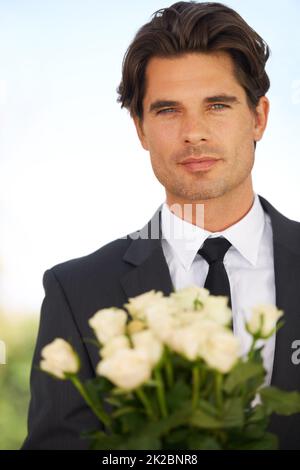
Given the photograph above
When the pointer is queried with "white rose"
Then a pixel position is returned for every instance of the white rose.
(185, 298)
(137, 305)
(216, 308)
(146, 342)
(59, 358)
(161, 324)
(263, 320)
(163, 306)
(127, 369)
(135, 326)
(186, 339)
(187, 317)
(108, 323)
(220, 349)
(115, 344)
(164, 321)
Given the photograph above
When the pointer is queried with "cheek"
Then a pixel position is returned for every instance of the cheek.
(247, 126)
(162, 143)
(238, 135)
(243, 149)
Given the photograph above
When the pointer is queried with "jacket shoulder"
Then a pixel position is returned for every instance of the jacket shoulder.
(285, 231)
(103, 262)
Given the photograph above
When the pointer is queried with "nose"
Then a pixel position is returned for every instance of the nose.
(195, 129)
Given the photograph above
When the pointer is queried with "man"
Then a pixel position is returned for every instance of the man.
(194, 81)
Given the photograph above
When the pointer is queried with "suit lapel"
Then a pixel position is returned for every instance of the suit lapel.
(152, 273)
(287, 275)
(145, 254)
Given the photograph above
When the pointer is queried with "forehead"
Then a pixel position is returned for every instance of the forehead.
(207, 72)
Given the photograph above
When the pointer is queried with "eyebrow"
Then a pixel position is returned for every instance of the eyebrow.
(224, 98)
(159, 104)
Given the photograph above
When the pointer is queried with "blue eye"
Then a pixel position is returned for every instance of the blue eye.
(219, 106)
(166, 110)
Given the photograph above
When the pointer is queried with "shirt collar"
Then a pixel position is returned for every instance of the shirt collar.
(186, 239)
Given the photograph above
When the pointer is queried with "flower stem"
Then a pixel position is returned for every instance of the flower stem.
(218, 390)
(252, 349)
(196, 385)
(144, 399)
(97, 410)
(169, 369)
(161, 393)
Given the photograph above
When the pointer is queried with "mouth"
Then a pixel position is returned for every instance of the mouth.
(199, 164)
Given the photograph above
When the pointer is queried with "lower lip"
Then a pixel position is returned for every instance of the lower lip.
(200, 165)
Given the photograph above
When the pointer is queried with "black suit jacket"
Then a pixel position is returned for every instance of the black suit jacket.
(124, 268)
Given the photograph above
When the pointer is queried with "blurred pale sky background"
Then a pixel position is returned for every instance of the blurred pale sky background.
(72, 173)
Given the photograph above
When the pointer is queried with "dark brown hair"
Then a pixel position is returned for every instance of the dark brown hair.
(194, 27)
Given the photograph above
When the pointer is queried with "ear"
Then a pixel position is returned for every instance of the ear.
(261, 117)
(140, 132)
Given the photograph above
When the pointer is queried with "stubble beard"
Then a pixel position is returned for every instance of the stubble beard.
(199, 188)
(195, 191)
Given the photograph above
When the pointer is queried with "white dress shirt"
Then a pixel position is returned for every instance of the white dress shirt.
(249, 264)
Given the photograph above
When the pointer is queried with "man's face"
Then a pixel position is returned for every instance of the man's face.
(195, 109)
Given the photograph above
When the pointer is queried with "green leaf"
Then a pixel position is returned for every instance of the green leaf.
(178, 418)
(100, 384)
(180, 393)
(280, 401)
(266, 442)
(102, 441)
(141, 442)
(150, 434)
(180, 363)
(150, 384)
(241, 373)
(250, 389)
(132, 422)
(208, 408)
(206, 415)
(203, 442)
(113, 401)
(257, 356)
(177, 435)
(124, 410)
(233, 413)
(136, 425)
(203, 420)
(257, 414)
(254, 431)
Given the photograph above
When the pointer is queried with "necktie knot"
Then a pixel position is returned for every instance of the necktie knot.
(214, 249)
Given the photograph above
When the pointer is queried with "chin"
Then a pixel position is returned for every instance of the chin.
(201, 194)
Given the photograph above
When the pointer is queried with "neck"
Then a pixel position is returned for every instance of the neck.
(216, 214)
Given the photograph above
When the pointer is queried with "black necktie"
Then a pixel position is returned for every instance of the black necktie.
(213, 251)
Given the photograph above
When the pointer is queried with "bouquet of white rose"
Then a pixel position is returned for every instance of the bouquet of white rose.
(172, 373)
